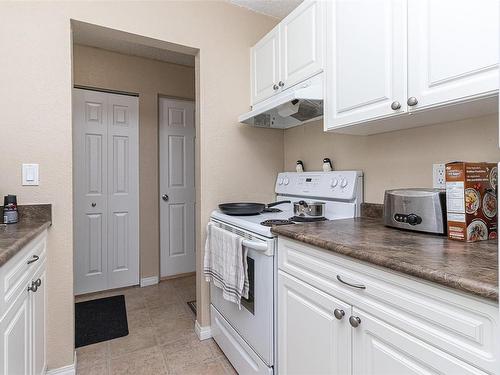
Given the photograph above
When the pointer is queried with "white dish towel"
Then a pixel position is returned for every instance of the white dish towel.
(225, 263)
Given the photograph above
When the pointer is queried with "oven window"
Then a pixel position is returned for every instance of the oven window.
(249, 303)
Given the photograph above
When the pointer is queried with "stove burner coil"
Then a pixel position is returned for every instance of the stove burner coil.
(270, 223)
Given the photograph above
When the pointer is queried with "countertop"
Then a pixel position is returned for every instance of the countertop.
(33, 220)
(468, 267)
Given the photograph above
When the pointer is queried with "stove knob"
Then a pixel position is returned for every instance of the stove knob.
(343, 183)
(286, 181)
(334, 182)
(280, 181)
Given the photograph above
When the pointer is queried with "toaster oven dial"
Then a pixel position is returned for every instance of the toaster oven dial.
(411, 219)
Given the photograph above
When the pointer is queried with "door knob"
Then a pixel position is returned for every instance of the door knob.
(339, 314)
(164, 197)
(395, 105)
(412, 101)
(93, 204)
(355, 321)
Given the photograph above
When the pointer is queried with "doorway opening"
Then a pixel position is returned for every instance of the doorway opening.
(133, 146)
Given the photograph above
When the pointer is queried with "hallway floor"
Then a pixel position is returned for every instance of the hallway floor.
(161, 337)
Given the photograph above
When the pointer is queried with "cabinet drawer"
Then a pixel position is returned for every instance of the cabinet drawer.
(17, 273)
(462, 325)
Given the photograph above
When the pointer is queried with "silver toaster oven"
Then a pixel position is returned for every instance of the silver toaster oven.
(418, 209)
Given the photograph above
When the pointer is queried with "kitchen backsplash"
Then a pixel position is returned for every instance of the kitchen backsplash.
(397, 159)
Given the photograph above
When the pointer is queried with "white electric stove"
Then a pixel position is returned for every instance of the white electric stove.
(247, 336)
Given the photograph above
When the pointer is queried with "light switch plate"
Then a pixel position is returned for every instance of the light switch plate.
(30, 175)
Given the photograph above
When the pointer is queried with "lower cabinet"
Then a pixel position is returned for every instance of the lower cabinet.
(314, 335)
(342, 317)
(22, 326)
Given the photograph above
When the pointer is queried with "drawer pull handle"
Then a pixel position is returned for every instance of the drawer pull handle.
(339, 314)
(359, 286)
(38, 282)
(33, 259)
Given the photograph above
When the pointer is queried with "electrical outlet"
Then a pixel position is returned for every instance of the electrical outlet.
(438, 176)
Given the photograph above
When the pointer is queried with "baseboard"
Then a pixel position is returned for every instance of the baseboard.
(66, 370)
(178, 276)
(203, 333)
(147, 281)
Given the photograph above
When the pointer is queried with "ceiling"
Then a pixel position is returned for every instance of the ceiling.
(129, 44)
(274, 8)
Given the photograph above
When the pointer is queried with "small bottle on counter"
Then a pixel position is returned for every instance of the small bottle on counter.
(10, 214)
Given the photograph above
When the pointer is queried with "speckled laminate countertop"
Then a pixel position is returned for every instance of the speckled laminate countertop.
(468, 267)
(33, 220)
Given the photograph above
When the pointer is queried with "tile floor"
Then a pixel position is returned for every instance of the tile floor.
(161, 337)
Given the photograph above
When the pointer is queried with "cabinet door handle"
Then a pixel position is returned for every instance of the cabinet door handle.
(355, 321)
(395, 105)
(38, 282)
(165, 197)
(93, 204)
(275, 87)
(412, 101)
(339, 314)
(359, 286)
(33, 259)
(281, 83)
(33, 288)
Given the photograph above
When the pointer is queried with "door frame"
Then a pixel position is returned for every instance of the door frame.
(195, 173)
(73, 180)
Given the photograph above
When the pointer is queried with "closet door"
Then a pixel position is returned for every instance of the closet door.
(105, 168)
(90, 190)
(123, 186)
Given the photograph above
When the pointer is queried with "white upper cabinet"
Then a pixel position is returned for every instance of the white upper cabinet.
(366, 63)
(301, 46)
(452, 50)
(265, 66)
(290, 53)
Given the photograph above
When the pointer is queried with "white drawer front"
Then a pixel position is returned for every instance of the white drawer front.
(461, 325)
(17, 273)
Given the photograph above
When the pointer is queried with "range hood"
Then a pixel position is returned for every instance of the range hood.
(294, 106)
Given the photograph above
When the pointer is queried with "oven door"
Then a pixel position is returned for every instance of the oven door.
(254, 322)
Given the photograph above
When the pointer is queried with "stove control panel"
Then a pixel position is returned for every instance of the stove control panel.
(342, 185)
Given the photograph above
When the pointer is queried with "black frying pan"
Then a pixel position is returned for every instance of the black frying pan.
(246, 208)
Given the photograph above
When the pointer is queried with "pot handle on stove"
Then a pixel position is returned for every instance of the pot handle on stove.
(276, 203)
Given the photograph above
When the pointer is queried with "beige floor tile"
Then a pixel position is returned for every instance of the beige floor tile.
(215, 367)
(135, 340)
(186, 352)
(174, 330)
(89, 355)
(142, 362)
(99, 368)
(134, 302)
(161, 314)
(138, 319)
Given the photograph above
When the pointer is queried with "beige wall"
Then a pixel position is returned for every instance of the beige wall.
(235, 162)
(397, 159)
(99, 68)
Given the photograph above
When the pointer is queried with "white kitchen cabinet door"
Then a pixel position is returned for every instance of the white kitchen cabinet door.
(301, 47)
(265, 66)
(38, 303)
(365, 67)
(380, 349)
(16, 344)
(311, 340)
(452, 50)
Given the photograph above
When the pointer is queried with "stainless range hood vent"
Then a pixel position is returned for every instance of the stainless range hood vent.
(294, 106)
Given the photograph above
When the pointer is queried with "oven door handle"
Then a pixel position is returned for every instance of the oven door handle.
(259, 246)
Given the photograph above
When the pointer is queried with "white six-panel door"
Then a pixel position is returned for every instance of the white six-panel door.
(301, 46)
(366, 61)
(452, 50)
(106, 232)
(177, 187)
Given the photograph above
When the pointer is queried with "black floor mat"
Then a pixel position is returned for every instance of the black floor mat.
(100, 320)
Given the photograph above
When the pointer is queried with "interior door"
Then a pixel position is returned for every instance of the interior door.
(265, 66)
(311, 339)
(90, 189)
(302, 36)
(452, 50)
(380, 349)
(106, 174)
(366, 61)
(177, 187)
